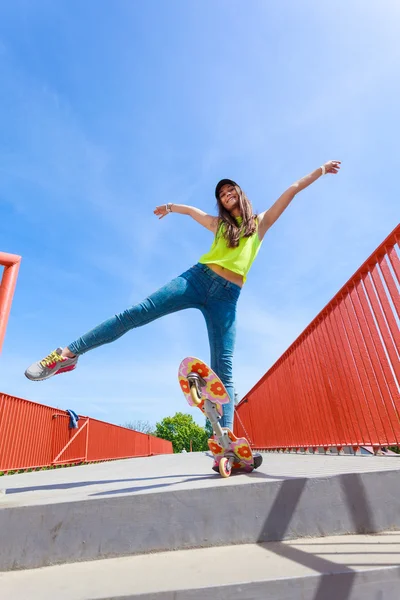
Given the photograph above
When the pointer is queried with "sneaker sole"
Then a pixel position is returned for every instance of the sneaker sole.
(64, 370)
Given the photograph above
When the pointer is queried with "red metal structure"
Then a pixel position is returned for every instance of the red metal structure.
(338, 384)
(11, 263)
(33, 435)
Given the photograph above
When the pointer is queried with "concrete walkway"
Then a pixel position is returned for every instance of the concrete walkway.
(177, 502)
(171, 473)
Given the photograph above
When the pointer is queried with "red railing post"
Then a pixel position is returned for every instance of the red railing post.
(11, 263)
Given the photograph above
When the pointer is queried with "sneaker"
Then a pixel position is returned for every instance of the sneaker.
(215, 466)
(257, 460)
(53, 364)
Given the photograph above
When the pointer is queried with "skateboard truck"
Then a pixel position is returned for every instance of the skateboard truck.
(196, 382)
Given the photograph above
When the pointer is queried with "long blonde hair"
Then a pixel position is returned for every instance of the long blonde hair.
(230, 228)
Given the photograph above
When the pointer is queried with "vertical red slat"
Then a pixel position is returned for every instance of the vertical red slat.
(321, 393)
(393, 327)
(360, 406)
(379, 348)
(338, 387)
(320, 398)
(340, 381)
(291, 408)
(283, 386)
(388, 414)
(391, 284)
(307, 399)
(327, 376)
(383, 328)
(287, 411)
(308, 403)
(395, 262)
(350, 381)
(363, 369)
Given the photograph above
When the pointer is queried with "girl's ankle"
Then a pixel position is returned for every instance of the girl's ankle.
(67, 353)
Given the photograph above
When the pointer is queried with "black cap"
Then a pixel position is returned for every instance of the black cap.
(221, 183)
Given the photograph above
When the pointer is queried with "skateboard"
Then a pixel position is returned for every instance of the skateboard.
(202, 388)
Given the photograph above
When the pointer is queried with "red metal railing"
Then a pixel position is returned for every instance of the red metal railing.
(338, 383)
(33, 435)
(11, 263)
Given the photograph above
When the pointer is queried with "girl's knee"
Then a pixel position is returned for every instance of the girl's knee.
(224, 371)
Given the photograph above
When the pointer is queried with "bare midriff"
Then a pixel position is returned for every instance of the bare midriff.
(226, 274)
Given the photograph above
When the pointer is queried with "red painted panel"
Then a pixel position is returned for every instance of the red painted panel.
(33, 435)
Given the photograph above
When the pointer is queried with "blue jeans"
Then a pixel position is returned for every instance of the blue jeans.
(199, 287)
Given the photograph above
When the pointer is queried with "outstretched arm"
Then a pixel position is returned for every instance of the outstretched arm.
(208, 221)
(268, 218)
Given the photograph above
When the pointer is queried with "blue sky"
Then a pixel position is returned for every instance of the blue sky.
(108, 109)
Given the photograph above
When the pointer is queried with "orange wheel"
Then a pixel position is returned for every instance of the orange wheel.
(224, 467)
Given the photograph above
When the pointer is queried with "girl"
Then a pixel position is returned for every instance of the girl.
(213, 285)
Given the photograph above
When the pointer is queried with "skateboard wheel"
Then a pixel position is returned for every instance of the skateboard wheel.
(194, 395)
(224, 467)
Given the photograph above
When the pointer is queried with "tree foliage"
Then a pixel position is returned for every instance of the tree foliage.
(181, 430)
(208, 429)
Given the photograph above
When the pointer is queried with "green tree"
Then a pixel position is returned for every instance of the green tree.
(208, 429)
(181, 430)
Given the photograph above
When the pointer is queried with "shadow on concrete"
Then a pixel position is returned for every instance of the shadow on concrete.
(213, 476)
(260, 475)
(357, 503)
(328, 589)
(283, 508)
(188, 476)
(77, 484)
(351, 544)
(280, 515)
(149, 487)
(363, 553)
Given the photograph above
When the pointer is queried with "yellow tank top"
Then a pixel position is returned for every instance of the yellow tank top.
(238, 260)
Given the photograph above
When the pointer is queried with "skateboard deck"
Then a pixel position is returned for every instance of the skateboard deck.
(215, 391)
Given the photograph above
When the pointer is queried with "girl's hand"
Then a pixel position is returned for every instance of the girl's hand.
(332, 166)
(161, 211)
